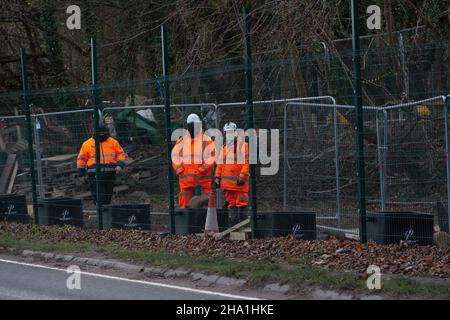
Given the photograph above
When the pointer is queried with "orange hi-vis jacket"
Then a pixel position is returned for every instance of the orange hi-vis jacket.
(193, 160)
(111, 155)
(233, 165)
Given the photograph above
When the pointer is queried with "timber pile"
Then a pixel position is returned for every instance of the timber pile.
(61, 164)
(59, 173)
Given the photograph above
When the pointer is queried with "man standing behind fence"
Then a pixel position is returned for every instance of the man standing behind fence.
(193, 159)
(232, 173)
(112, 161)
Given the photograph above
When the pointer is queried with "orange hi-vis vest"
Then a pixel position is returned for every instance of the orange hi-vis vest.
(193, 160)
(233, 165)
(111, 155)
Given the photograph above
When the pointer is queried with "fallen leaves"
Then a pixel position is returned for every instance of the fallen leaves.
(334, 254)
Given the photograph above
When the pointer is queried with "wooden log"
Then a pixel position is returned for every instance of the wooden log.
(2, 143)
(13, 177)
(7, 173)
(21, 145)
(65, 167)
(121, 188)
(60, 158)
(234, 228)
(84, 195)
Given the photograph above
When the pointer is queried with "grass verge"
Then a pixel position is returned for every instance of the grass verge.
(299, 275)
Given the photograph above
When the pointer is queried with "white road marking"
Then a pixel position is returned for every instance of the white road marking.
(156, 284)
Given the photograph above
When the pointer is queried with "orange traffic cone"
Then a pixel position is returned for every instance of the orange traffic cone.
(211, 225)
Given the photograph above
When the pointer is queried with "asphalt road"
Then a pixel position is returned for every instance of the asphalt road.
(34, 282)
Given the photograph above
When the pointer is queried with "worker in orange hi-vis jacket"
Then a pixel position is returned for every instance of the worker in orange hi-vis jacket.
(232, 173)
(193, 158)
(112, 162)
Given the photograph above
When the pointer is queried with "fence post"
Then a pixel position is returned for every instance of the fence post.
(385, 154)
(219, 194)
(356, 53)
(380, 162)
(336, 162)
(25, 86)
(285, 159)
(170, 178)
(249, 107)
(447, 155)
(96, 102)
(37, 142)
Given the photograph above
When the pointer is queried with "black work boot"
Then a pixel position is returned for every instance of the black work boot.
(243, 213)
(234, 216)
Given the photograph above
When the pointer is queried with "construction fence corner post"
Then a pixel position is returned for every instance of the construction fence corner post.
(26, 93)
(170, 176)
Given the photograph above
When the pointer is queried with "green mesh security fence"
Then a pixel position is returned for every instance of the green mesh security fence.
(305, 97)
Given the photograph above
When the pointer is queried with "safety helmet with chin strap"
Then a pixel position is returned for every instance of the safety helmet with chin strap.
(193, 118)
(230, 127)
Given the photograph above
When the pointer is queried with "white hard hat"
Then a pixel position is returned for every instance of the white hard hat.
(193, 118)
(230, 126)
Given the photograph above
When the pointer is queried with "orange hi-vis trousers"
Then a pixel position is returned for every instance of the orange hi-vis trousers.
(186, 194)
(236, 199)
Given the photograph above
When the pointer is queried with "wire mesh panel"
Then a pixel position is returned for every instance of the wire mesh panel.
(61, 119)
(415, 157)
(15, 185)
(320, 176)
(57, 138)
(270, 159)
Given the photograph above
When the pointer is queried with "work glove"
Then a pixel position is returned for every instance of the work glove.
(81, 172)
(179, 171)
(118, 169)
(240, 182)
